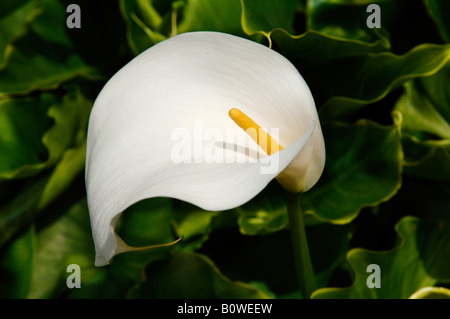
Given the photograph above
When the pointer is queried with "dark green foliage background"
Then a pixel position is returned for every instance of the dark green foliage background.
(383, 97)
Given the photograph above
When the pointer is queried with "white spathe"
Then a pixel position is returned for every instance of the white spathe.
(189, 79)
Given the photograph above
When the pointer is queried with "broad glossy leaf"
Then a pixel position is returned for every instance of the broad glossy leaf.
(263, 16)
(267, 212)
(193, 223)
(44, 57)
(65, 241)
(65, 143)
(264, 214)
(436, 87)
(70, 116)
(143, 22)
(16, 264)
(420, 260)
(425, 108)
(363, 168)
(144, 223)
(218, 15)
(348, 19)
(190, 276)
(19, 211)
(136, 224)
(421, 115)
(68, 168)
(353, 82)
(439, 11)
(431, 293)
(28, 142)
(312, 49)
(14, 16)
(427, 159)
(345, 75)
(146, 26)
(23, 122)
(148, 222)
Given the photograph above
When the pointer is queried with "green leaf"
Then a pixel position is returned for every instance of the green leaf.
(16, 266)
(148, 222)
(71, 118)
(418, 261)
(20, 209)
(145, 223)
(198, 277)
(436, 89)
(44, 57)
(193, 223)
(438, 10)
(263, 16)
(267, 212)
(68, 168)
(357, 81)
(14, 16)
(142, 22)
(347, 19)
(363, 168)
(65, 143)
(66, 241)
(264, 214)
(137, 225)
(218, 15)
(345, 75)
(431, 293)
(425, 108)
(23, 122)
(312, 49)
(426, 159)
(420, 114)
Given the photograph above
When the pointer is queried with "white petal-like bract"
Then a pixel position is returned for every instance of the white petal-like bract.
(173, 99)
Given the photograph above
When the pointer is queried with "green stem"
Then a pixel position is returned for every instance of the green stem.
(303, 264)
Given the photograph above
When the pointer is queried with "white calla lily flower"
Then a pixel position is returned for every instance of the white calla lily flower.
(189, 80)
